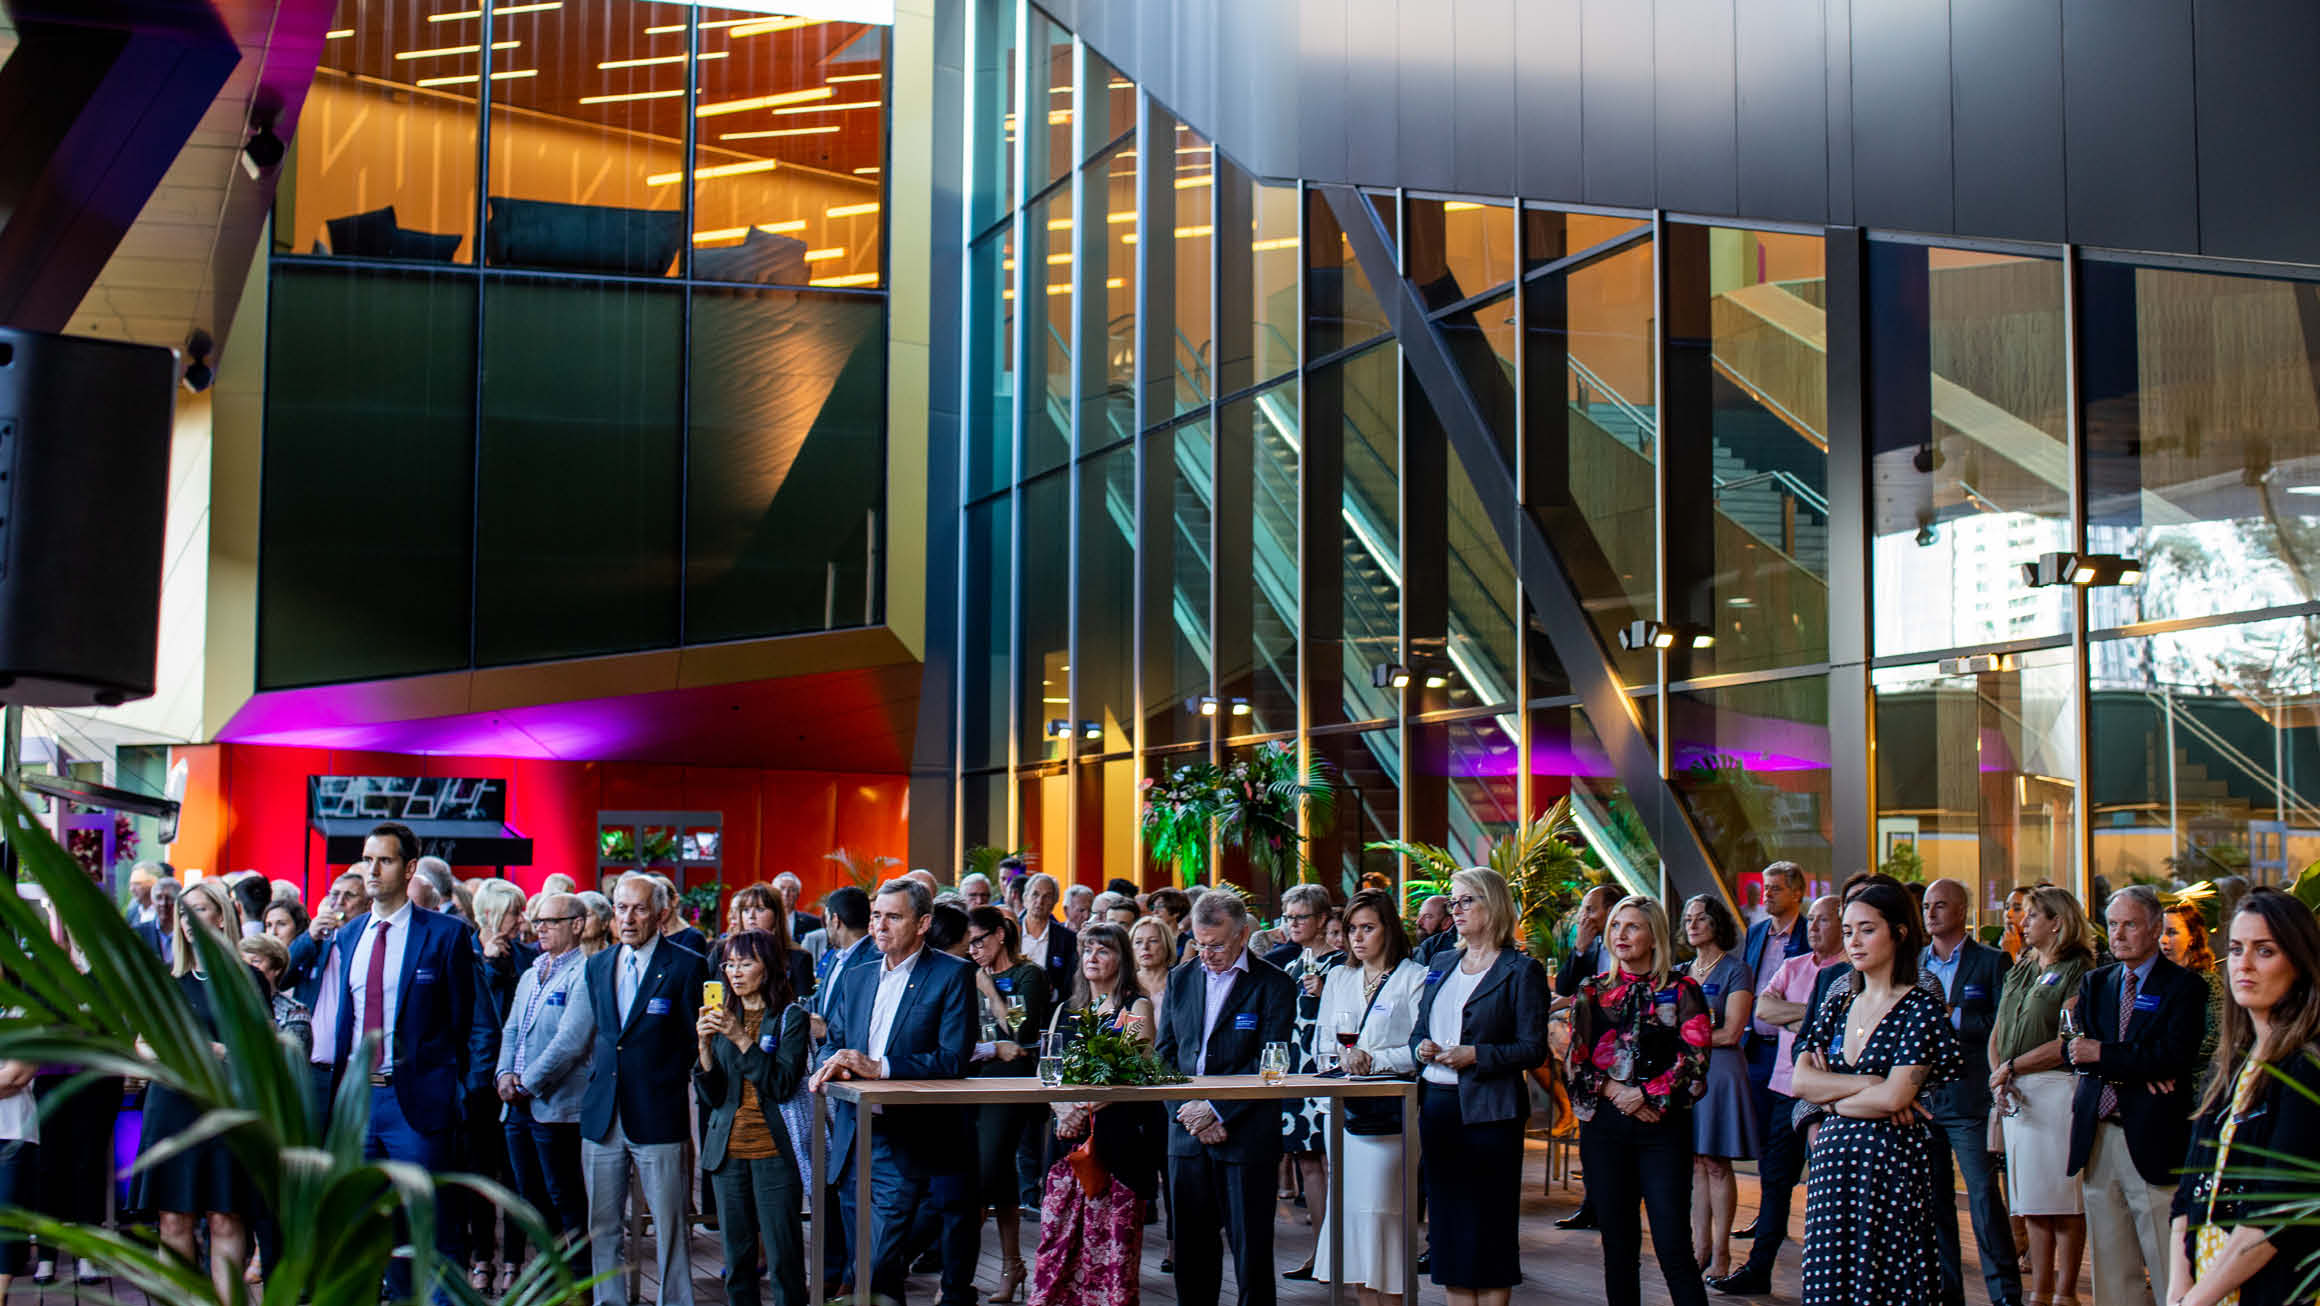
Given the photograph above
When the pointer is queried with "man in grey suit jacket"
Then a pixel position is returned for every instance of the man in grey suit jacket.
(543, 1067)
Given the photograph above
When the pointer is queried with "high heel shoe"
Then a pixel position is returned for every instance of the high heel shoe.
(1010, 1282)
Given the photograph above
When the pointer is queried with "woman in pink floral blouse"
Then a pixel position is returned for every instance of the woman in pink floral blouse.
(1639, 1057)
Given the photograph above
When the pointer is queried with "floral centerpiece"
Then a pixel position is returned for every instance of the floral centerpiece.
(1251, 805)
(1102, 1056)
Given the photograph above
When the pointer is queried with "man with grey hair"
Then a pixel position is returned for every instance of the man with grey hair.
(792, 891)
(160, 933)
(439, 894)
(1772, 939)
(975, 887)
(1078, 904)
(1046, 940)
(1222, 1156)
(2130, 1120)
(910, 1014)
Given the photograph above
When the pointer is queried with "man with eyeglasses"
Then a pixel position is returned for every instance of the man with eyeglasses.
(1222, 1156)
(541, 1075)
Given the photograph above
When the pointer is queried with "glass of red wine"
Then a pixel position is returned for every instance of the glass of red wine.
(1348, 1032)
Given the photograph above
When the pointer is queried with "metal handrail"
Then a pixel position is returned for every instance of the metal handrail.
(1802, 492)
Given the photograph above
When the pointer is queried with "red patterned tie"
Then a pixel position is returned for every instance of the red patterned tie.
(2109, 1107)
(375, 986)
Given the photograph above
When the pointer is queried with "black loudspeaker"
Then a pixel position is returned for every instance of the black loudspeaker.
(84, 489)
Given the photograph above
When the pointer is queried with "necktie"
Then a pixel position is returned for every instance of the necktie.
(2109, 1107)
(375, 986)
(628, 989)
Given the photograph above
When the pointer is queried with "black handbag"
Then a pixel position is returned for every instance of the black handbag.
(1371, 1116)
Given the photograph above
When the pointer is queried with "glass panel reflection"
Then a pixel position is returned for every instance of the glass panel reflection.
(2206, 753)
(385, 148)
(1971, 463)
(1047, 242)
(985, 634)
(1178, 348)
(1341, 308)
(991, 363)
(1273, 280)
(1752, 765)
(1482, 604)
(1355, 579)
(568, 452)
(1103, 653)
(2202, 440)
(1977, 776)
(1043, 821)
(1109, 101)
(1483, 341)
(1567, 761)
(1179, 478)
(1044, 601)
(1048, 135)
(997, 83)
(789, 151)
(1366, 768)
(1464, 790)
(1458, 249)
(1108, 326)
(983, 809)
(784, 471)
(1550, 236)
(1257, 604)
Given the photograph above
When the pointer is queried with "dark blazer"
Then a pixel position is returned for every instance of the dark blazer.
(1981, 973)
(639, 1071)
(501, 974)
(1505, 1022)
(446, 1037)
(308, 960)
(1062, 958)
(801, 924)
(1261, 1008)
(151, 933)
(2164, 1031)
(1593, 961)
(775, 1062)
(1752, 947)
(931, 1037)
(2280, 1119)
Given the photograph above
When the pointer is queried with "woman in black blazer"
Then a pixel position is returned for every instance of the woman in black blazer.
(2223, 1243)
(752, 1059)
(1481, 1028)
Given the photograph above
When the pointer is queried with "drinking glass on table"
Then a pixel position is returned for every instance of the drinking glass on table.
(1274, 1063)
(1348, 1032)
(1051, 1048)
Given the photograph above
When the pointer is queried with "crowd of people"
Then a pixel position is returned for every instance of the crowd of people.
(2088, 1080)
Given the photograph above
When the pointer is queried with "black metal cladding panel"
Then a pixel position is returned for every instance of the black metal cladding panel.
(1427, 58)
(2006, 111)
(1321, 89)
(1901, 127)
(1372, 76)
(1781, 136)
(1695, 141)
(1484, 96)
(2259, 127)
(1615, 87)
(1838, 63)
(2131, 163)
(1547, 98)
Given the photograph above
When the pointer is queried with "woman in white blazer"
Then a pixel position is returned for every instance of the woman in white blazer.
(1376, 996)
(544, 1048)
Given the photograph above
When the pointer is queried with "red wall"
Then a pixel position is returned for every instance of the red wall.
(245, 809)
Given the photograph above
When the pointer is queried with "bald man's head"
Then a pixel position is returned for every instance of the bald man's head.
(1947, 909)
(1824, 925)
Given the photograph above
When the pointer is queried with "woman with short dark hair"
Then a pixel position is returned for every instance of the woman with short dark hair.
(1008, 1046)
(752, 1062)
(1091, 1212)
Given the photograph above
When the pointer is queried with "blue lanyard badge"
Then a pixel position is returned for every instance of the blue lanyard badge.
(2146, 1002)
(1245, 1020)
(766, 1043)
(656, 1006)
(1006, 983)
(1712, 990)
(2051, 977)
(1976, 993)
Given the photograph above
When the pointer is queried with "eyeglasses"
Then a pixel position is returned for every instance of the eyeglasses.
(1213, 949)
(554, 920)
(1299, 916)
(1463, 901)
(978, 940)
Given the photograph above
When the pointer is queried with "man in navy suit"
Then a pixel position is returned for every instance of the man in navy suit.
(2138, 1064)
(909, 1015)
(1222, 1155)
(160, 933)
(1053, 945)
(1971, 974)
(646, 997)
(411, 977)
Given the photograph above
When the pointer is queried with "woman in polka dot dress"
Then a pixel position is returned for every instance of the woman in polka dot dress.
(1870, 1053)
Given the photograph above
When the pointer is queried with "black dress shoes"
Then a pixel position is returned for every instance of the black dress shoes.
(1302, 1274)
(1743, 1282)
(1748, 1233)
(1583, 1218)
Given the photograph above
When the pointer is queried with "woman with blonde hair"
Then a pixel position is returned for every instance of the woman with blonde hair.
(1640, 1035)
(1481, 1027)
(2033, 1090)
(205, 1179)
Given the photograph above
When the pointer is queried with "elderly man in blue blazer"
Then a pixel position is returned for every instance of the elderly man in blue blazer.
(644, 998)
(544, 1051)
(909, 1015)
(412, 977)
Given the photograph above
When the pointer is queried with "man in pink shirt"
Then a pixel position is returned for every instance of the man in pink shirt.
(1785, 1001)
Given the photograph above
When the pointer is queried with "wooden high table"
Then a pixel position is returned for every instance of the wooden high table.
(869, 1093)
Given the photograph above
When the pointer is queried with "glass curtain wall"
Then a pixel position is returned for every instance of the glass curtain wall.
(1265, 517)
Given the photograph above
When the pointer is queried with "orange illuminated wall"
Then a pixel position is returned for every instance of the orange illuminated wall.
(245, 808)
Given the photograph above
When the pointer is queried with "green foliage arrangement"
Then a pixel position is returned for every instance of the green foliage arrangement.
(337, 1211)
(1540, 860)
(864, 873)
(1251, 805)
(984, 860)
(1101, 1056)
(1903, 863)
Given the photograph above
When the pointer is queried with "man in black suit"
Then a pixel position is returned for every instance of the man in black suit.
(1053, 945)
(1971, 974)
(910, 1014)
(160, 933)
(645, 998)
(2144, 1018)
(801, 923)
(1222, 1155)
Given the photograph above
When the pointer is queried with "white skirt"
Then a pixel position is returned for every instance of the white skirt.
(1375, 1233)
(2038, 1178)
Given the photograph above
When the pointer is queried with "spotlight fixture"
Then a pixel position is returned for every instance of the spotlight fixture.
(1389, 675)
(1978, 664)
(1240, 707)
(1058, 728)
(1204, 705)
(264, 149)
(1435, 678)
(2087, 570)
(1664, 634)
(199, 374)
(1093, 731)
(1927, 458)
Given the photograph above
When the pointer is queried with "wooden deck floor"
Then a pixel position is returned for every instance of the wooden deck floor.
(1557, 1266)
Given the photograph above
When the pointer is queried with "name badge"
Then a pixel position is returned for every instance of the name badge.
(556, 999)
(1712, 990)
(1666, 995)
(1006, 984)
(656, 1006)
(1433, 977)
(1976, 993)
(424, 976)
(2146, 1002)
(2051, 977)
(766, 1043)
(1381, 1006)
(1245, 1020)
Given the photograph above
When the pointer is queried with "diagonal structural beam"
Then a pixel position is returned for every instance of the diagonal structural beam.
(1683, 855)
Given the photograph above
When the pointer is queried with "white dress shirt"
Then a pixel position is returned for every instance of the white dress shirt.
(1035, 949)
(635, 964)
(359, 974)
(325, 1016)
(1385, 1032)
(1449, 1018)
(893, 978)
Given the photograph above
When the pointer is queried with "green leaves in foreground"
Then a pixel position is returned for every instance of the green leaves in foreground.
(338, 1212)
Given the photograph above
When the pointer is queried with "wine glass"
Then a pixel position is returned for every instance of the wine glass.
(2070, 1031)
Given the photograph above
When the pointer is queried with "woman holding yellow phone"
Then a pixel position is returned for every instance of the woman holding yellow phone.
(753, 1059)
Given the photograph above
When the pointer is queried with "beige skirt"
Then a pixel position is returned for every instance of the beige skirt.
(2038, 1178)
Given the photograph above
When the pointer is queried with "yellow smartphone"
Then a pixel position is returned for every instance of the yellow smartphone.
(713, 994)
